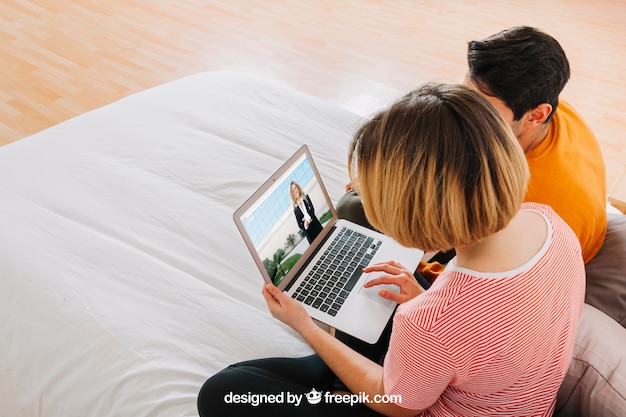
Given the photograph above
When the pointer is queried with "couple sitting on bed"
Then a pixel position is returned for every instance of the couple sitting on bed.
(443, 168)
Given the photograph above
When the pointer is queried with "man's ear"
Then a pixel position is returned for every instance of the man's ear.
(540, 114)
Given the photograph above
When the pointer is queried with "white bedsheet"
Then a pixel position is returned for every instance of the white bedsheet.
(124, 283)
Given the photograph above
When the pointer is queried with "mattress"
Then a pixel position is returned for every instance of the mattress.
(124, 281)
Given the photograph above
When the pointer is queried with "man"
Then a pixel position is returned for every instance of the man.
(522, 71)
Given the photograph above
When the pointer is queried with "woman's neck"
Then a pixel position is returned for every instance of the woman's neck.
(507, 249)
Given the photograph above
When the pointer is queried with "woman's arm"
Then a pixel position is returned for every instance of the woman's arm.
(299, 216)
(309, 206)
(356, 371)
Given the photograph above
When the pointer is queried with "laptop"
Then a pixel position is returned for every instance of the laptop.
(316, 257)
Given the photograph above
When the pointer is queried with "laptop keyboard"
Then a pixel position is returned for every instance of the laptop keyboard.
(328, 284)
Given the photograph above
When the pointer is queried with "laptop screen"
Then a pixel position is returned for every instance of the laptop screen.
(285, 216)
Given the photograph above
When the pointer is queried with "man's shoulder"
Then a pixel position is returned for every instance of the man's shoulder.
(569, 126)
(567, 114)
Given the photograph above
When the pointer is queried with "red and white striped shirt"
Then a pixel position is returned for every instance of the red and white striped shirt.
(491, 344)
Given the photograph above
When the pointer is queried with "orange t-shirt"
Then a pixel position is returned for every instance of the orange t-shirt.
(567, 172)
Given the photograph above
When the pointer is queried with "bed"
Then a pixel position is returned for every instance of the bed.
(124, 281)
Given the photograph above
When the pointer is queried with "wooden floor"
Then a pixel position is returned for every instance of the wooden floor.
(60, 58)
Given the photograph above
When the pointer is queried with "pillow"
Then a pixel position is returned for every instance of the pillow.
(606, 273)
(595, 384)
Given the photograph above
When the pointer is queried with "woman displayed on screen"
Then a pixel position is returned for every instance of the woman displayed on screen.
(304, 211)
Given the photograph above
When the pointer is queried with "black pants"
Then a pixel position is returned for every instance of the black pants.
(277, 387)
(239, 389)
(288, 380)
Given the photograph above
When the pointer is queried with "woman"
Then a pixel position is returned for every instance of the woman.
(304, 211)
(493, 336)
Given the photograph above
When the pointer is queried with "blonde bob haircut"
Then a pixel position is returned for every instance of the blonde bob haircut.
(439, 169)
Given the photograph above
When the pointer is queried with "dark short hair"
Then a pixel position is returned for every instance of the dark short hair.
(522, 66)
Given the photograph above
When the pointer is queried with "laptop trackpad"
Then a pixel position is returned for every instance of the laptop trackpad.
(372, 292)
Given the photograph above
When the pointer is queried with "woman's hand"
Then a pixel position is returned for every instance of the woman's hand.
(397, 275)
(286, 309)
